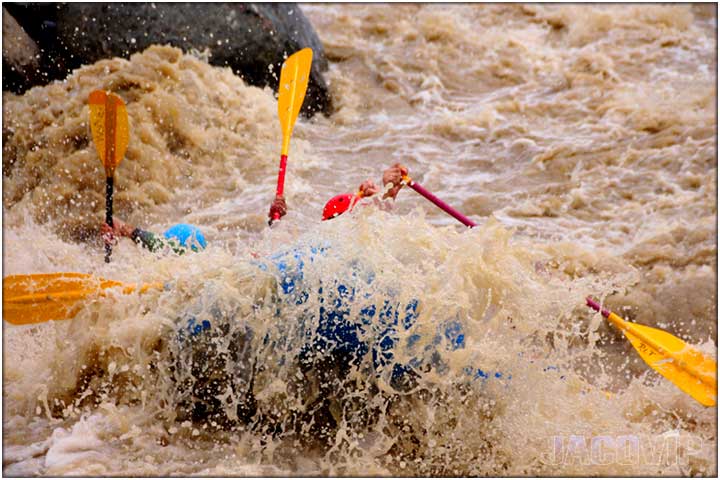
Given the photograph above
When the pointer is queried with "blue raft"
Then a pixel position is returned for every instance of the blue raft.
(350, 323)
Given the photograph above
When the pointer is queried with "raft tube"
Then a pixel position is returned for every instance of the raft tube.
(342, 335)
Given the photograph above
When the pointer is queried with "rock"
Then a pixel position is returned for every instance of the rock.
(21, 56)
(251, 38)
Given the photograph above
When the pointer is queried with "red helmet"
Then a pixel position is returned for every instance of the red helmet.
(338, 205)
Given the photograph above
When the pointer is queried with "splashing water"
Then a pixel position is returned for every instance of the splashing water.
(582, 139)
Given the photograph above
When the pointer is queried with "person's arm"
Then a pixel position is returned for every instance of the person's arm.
(392, 176)
(146, 239)
(155, 243)
(367, 189)
(119, 229)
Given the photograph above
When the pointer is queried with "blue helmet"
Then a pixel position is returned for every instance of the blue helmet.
(186, 235)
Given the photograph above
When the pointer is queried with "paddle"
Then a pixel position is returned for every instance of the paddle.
(111, 134)
(291, 94)
(442, 205)
(691, 370)
(55, 296)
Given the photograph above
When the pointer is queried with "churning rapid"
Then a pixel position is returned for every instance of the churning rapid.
(583, 141)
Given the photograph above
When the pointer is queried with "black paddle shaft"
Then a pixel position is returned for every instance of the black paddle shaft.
(108, 213)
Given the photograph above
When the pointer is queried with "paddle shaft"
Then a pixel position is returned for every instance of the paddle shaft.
(280, 182)
(109, 188)
(596, 306)
(110, 131)
(440, 204)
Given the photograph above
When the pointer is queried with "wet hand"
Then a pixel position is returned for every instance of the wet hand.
(119, 229)
(122, 229)
(368, 189)
(278, 207)
(107, 234)
(393, 176)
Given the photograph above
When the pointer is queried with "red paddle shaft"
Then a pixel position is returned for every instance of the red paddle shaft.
(596, 306)
(442, 205)
(281, 181)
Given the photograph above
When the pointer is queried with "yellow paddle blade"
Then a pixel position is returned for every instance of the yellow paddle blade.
(109, 127)
(54, 296)
(691, 370)
(291, 92)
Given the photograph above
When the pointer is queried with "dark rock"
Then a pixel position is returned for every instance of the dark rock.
(21, 56)
(39, 20)
(251, 38)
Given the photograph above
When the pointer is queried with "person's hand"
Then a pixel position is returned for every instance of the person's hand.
(119, 229)
(278, 207)
(107, 234)
(368, 189)
(394, 176)
(122, 229)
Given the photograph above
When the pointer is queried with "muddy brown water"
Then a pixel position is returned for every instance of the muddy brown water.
(581, 138)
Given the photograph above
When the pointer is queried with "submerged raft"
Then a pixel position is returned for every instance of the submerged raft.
(333, 328)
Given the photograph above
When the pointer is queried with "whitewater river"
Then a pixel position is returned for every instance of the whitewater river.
(583, 141)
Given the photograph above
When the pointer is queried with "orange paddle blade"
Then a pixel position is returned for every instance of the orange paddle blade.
(294, 78)
(54, 296)
(109, 127)
(691, 370)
